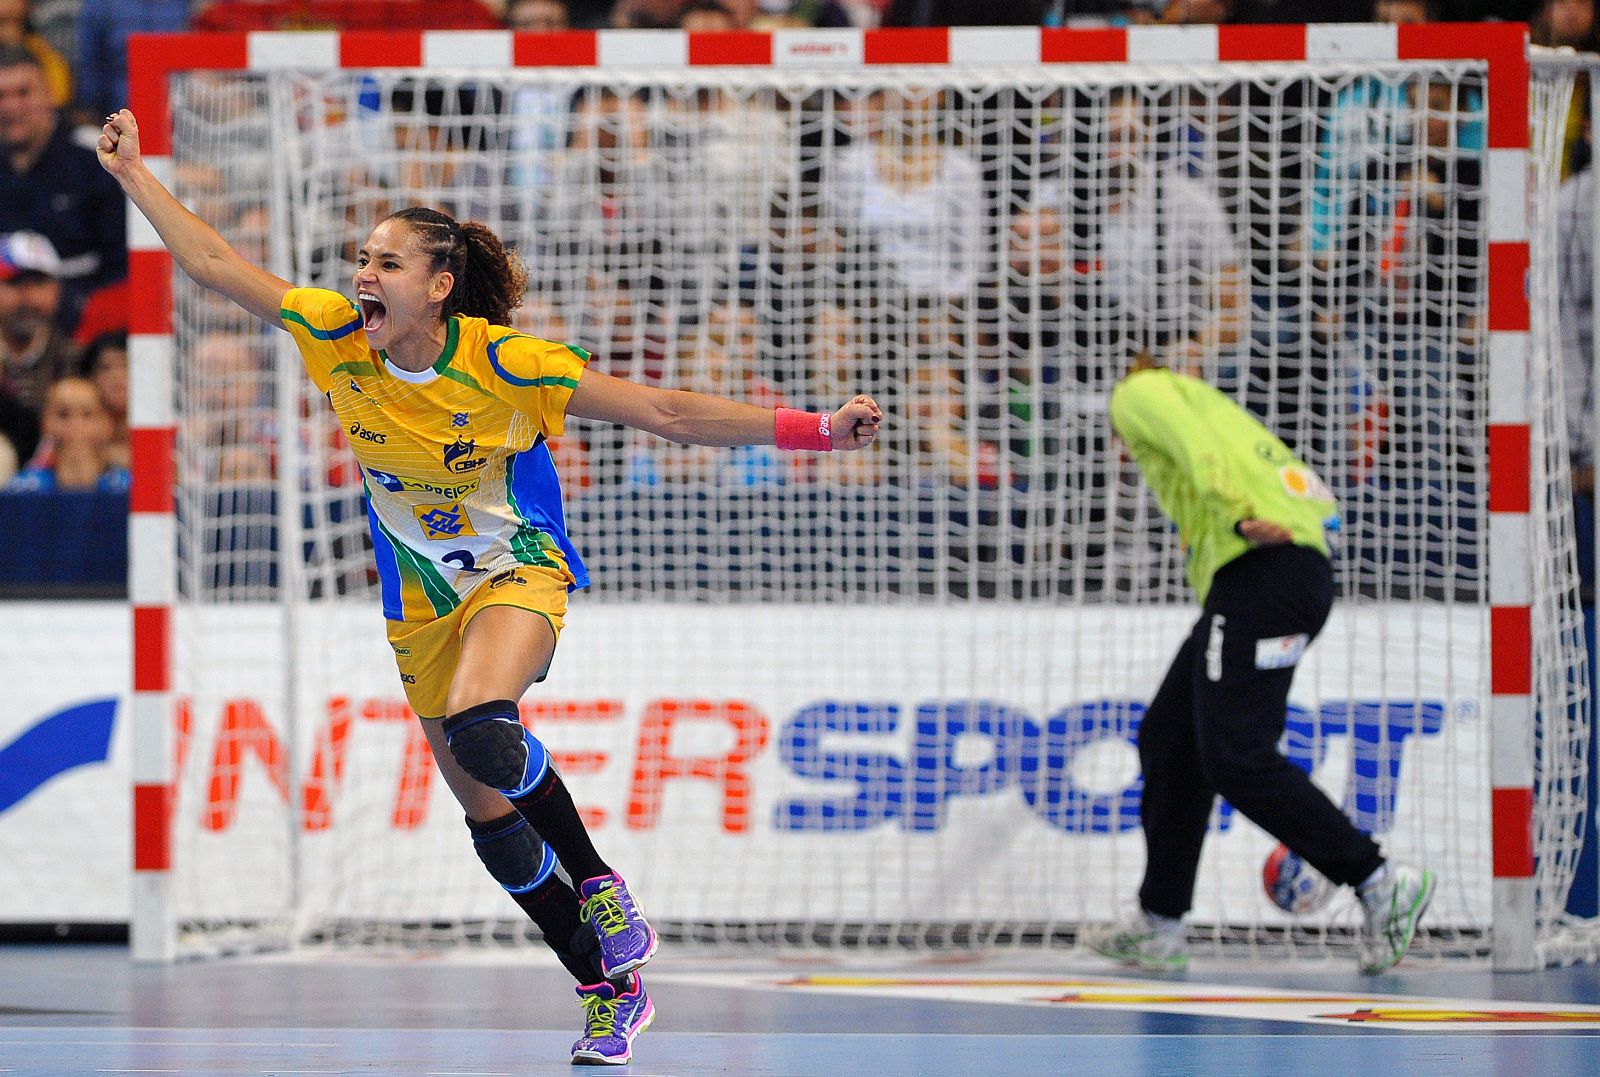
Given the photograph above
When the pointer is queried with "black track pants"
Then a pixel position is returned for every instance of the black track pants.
(1214, 726)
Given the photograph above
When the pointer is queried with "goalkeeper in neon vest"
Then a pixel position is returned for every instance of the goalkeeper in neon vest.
(449, 410)
(1254, 520)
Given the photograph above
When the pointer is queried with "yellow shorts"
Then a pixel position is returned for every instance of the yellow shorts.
(427, 651)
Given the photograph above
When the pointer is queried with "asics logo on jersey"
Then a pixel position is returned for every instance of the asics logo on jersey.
(508, 576)
(359, 431)
(457, 457)
(443, 521)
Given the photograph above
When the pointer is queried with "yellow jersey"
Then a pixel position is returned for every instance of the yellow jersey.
(458, 478)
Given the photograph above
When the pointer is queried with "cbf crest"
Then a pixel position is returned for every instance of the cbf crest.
(458, 457)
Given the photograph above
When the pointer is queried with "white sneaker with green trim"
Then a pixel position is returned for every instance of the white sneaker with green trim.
(1142, 942)
(1393, 907)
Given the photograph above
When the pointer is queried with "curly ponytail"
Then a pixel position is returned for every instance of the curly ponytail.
(490, 279)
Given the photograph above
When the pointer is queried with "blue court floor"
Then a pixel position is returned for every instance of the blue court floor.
(84, 1009)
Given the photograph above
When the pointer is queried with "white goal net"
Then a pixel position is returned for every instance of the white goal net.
(888, 699)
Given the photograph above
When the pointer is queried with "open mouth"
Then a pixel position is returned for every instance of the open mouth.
(372, 311)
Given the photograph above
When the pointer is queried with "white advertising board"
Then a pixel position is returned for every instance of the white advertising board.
(747, 769)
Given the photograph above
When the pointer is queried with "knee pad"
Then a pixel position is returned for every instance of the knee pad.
(514, 854)
(494, 747)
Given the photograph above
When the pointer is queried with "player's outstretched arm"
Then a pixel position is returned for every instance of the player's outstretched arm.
(197, 248)
(699, 419)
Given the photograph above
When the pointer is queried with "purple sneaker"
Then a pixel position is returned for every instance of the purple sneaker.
(610, 1022)
(626, 941)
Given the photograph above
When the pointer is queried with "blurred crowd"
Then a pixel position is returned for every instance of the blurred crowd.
(63, 257)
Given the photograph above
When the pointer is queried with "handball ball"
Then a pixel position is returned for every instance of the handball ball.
(1293, 885)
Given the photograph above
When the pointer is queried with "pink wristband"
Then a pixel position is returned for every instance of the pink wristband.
(804, 430)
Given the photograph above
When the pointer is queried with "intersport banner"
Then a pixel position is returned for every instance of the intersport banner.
(745, 763)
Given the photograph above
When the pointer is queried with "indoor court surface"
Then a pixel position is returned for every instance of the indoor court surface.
(84, 1009)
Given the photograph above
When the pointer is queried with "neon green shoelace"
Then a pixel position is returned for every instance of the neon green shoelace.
(600, 1016)
(605, 912)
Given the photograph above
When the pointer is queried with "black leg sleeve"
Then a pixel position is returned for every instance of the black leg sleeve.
(1175, 807)
(550, 810)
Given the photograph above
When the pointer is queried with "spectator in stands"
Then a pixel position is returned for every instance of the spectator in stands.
(1570, 23)
(230, 440)
(1406, 288)
(706, 15)
(835, 350)
(944, 442)
(725, 359)
(52, 184)
(720, 355)
(799, 14)
(105, 362)
(537, 15)
(589, 14)
(540, 317)
(739, 152)
(911, 214)
(1173, 290)
(1036, 254)
(34, 351)
(439, 126)
(1134, 13)
(1405, 12)
(645, 14)
(251, 234)
(77, 430)
(745, 12)
(1052, 352)
(538, 113)
(910, 200)
(610, 230)
(1218, 12)
(16, 28)
(619, 315)
(1439, 192)
(1365, 124)
(1197, 12)
(102, 55)
(56, 21)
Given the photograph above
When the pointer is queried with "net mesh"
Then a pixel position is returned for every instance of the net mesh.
(888, 698)
(1561, 688)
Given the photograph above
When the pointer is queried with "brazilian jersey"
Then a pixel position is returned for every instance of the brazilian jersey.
(458, 478)
(1211, 465)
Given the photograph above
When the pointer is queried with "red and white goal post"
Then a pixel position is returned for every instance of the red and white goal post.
(887, 701)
